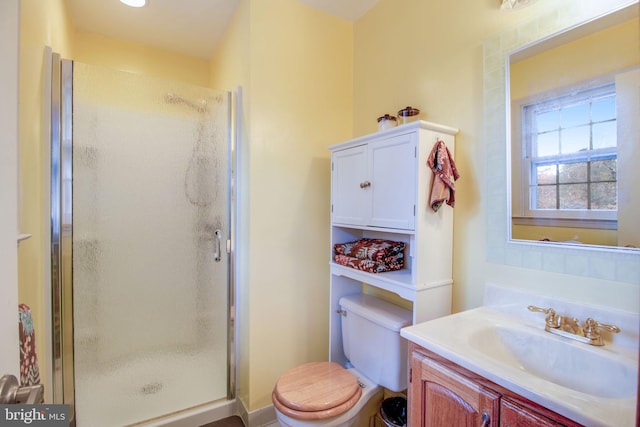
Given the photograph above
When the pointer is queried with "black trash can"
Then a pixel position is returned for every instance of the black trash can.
(394, 411)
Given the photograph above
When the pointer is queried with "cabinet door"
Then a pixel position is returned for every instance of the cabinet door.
(514, 415)
(392, 171)
(439, 396)
(350, 196)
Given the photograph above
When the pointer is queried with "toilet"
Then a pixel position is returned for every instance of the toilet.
(328, 394)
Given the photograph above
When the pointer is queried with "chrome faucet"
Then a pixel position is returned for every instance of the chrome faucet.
(569, 327)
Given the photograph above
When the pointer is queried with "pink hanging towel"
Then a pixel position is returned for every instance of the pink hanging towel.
(445, 174)
(29, 371)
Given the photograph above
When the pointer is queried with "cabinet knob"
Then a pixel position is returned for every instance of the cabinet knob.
(486, 420)
(365, 184)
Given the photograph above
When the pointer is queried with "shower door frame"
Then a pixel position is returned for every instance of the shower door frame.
(61, 230)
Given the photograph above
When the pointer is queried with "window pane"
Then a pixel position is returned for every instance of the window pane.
(546, 197)
(573, 196)
(546, 174)
(604, 135)
(603, 170)
(603, 109)
(548, 121)
(573, 172)
(575, 139)
(575, 115)
(547, 144)
(572, 150)
(604, 196)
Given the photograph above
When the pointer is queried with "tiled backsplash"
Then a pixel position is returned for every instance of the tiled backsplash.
(516, 302)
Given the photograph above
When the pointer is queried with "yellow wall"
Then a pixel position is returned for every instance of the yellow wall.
(231, 63)
(295, 69)
(590, 236)
(136, 58)
(230, 68)
(41, 24)
(607, 51)
(301, 85)
(430, 55)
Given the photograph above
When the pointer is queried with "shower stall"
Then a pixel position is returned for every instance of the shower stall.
(141, 272)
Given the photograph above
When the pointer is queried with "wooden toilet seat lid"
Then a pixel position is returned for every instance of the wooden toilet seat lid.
(317, 387)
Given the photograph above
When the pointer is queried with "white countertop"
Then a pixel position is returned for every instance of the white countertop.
(462, 338)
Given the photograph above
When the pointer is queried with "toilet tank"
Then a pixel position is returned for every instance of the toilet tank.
(371, 339)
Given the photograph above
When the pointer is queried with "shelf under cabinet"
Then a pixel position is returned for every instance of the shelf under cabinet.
(399, 282)
(372, 229)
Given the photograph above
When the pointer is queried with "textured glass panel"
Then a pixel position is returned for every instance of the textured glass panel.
(573, 196)
(150, 189)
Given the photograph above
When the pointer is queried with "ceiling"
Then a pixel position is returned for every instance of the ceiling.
(190, 27)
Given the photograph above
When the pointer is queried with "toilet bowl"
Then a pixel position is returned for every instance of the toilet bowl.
(355, 413)
(327, 394)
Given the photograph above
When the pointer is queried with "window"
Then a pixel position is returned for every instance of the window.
(568, 155)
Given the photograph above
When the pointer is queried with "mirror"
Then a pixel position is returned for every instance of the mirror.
(574, 138)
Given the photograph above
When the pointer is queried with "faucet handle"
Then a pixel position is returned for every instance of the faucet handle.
(552, 320)
(592, 328)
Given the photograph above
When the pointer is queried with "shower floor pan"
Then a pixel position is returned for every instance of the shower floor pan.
(149, 387)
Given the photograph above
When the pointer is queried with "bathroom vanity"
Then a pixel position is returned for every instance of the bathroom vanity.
(496, 365)
(380, 187)
(444, 393)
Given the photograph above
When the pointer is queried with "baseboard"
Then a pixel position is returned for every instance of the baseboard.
(258, 418)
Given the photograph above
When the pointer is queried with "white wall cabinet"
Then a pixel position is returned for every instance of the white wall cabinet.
(380, 187)
(374, 184)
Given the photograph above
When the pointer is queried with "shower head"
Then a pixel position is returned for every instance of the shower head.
(200, 106)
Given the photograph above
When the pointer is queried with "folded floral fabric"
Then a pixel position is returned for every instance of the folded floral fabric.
(29, 371)
(372, 249)
(392, 263)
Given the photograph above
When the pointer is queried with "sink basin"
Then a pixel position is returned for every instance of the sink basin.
(507, 345)
(574, 365)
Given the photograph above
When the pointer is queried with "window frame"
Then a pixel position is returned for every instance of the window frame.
(521, 162)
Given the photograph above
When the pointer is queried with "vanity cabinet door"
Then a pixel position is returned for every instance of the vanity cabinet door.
(439, 396)
(515, 415)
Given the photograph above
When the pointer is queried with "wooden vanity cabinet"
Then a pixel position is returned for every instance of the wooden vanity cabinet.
(512, 414)
(441, 393)
(446, 398)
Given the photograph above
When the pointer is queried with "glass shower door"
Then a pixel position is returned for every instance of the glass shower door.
(150, 220)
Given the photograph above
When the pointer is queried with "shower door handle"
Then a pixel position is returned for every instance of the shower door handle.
(217, 252)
